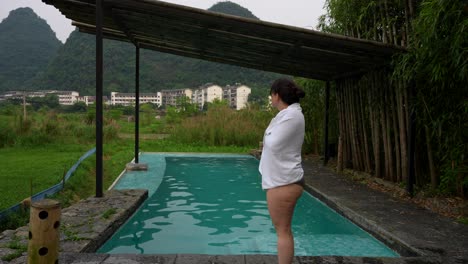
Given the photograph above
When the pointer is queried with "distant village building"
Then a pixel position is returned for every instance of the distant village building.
(12, 95)
(128, 99)
(170, 97)
(64, 97)
(237, 95)
(207, 94)
(86, 99)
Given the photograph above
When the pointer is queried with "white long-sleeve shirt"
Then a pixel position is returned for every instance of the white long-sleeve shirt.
(280, 163)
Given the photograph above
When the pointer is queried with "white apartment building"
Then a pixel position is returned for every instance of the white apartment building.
(207, 94)
(89, 99)
(237, 95)
(64, 97)
(170, 97)
(13, 95)
(86, 99)
(129, 99)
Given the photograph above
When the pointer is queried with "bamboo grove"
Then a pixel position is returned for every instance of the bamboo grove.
(373, 110)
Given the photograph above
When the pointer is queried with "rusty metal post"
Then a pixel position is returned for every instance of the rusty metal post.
(44, 233)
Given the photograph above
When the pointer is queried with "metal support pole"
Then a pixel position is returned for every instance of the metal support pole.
(412, 140)
(99, 85)
(137, 102)
(325, 133)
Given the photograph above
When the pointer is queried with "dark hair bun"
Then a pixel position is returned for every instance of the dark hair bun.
(287, 90)
(300, 93)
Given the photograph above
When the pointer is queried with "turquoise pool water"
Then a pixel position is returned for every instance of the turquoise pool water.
(214, 204)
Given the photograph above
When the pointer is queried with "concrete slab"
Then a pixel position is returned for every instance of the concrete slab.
(82, 258)
(260, 259)
(209, 259)
(134, 259)
(405, 227)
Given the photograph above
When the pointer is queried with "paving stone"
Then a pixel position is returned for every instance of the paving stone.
(134, 259)
(6, 251)
(7, 233)
(20, 260)
(261, 259)
(82, 258)
(209, 259)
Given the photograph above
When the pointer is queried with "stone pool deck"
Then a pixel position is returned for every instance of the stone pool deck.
(417, 234)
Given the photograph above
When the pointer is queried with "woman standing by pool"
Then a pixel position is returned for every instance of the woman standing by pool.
(280, 164)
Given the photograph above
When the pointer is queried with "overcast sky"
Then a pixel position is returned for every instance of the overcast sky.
(300, 13)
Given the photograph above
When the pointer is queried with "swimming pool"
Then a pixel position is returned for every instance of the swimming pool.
(214, 204)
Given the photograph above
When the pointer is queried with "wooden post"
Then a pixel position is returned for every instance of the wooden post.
(44, 234)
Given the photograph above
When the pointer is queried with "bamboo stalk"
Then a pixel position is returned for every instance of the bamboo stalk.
(396, 133)
(364, 129)
(387, 17)
(388, 120)
(346, 134)
(430, 157)
(377, 154)
(339, 165)
(371, 116)
(403, 131)
(358, 126)
(355, 144)
(383, 123)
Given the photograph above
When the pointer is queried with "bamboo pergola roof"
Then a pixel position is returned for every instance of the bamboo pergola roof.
(211, 36)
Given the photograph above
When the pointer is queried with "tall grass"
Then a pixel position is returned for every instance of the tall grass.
(40, 129)
(223, 126)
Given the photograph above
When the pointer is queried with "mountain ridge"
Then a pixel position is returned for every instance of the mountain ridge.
(27, 45)
(73, 66)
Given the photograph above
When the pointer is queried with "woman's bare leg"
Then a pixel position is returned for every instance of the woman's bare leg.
(281, 202)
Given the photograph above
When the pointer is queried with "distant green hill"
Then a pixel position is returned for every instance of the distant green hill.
(231, 8)
(27, 45)
(74, 66)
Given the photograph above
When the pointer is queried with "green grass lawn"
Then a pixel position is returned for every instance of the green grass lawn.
(153, 127)
(43, 166)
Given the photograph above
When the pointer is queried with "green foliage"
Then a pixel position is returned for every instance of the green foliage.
(128, 110)
(259, 95)
(463, 220)
(215, 104)
(172, 115)
(27, 45)
(50, 101)
(231, 8)
(367, 19)
(108, 213)
(438, 64)
(15, 244)
(14, 220)
(71, 235)
(223, 126)
(78, 107)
